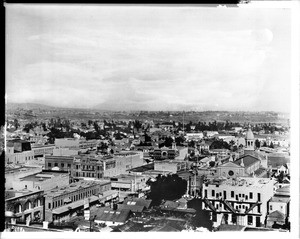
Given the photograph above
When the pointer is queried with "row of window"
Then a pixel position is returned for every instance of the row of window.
(92, 175)
(237, 196)
(56, 165)
(28, 205)
(80, 196)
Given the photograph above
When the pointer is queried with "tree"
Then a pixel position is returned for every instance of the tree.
(257, 143)
(202, 218)
(212, 163)
(265, 144)
(219, 144)
(271, 145)
(168, 187)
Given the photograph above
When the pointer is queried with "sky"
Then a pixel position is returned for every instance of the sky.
(149, 57)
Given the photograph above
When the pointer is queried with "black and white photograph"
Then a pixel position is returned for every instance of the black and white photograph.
(150, 118)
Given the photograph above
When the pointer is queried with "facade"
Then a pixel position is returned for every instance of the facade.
(42, 150)
(164, 153)
(194, 136)
(18, 152)
(128, 182)
(72, 143)
(64, 152)
(241, 201)
(170, 166)
(27, 207)
(88, 167)
(61, 203)
(61, 163)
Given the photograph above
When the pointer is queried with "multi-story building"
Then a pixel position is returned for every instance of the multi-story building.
(241, 201)
(61, 203)
(27, 207)
(164, 153)
(18, 152)
(42, 150)
(61, 163)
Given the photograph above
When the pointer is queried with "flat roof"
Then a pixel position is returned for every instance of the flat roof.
(73, 187)
(242, 181)
(38, 177)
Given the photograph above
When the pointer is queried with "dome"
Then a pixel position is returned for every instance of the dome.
(249, 135)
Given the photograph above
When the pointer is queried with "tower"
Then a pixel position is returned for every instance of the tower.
(249, 141)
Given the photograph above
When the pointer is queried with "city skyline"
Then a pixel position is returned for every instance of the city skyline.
(149, 58)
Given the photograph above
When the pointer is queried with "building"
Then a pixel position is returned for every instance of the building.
(129, 182)
(241, 201)
(194, 136)
(73, 143)
(279, 207)
(247, 165)
(26, 205)
(60, 163)
(64, 152)
(172, 166)
(13, 174)
(18, 152)
(42, 150)
(62, 203)
(112, 217)
(164, 153)
(42, 181)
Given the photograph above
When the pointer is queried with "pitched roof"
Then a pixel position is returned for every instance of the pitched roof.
(133, 208)
(248, 160)
(138, 202)
(276, 215)
(113, 216)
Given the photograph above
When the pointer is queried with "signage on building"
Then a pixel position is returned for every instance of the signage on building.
(87, 214)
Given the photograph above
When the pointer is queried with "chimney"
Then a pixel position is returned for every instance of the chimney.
(242, 162)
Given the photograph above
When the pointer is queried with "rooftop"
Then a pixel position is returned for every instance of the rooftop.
(242, 182)
(39, 177)
(73, 187)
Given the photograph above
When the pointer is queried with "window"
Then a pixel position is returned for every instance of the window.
(49, 205)
(62, 165)
(205, 193)
(232, 194)
(69, 165)
(250, 220)
(214, 217)
(55, 164)
(212, 193)
(251, 195)
(258, 208)
(258, 197)
(271, 208)
(49, 165)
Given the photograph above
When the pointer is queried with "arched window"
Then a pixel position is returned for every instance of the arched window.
(18, 208)
(28, 205)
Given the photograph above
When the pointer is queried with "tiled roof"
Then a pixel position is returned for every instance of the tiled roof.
(133, 208)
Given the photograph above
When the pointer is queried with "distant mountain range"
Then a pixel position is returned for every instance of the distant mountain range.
(107, 107)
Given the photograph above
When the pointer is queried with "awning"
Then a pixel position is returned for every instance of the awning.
(73, 205)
